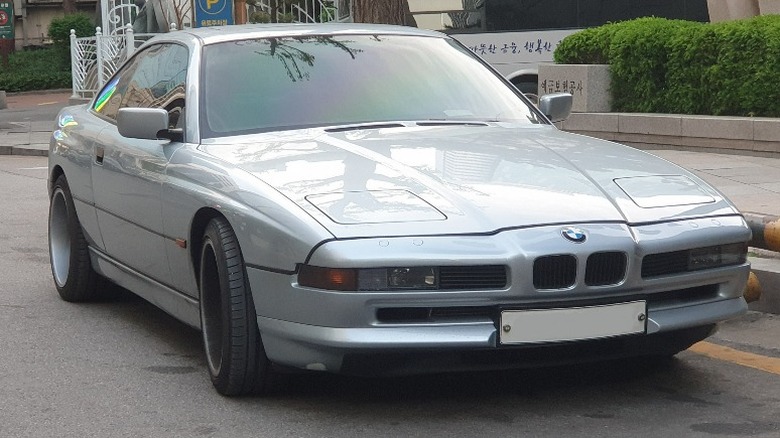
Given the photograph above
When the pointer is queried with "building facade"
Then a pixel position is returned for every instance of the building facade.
(32, 19)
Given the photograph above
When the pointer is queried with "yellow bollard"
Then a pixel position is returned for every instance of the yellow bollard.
(752, 289)
(772, 235)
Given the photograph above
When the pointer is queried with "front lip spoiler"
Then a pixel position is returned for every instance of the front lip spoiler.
(476, 334)
(458, 335)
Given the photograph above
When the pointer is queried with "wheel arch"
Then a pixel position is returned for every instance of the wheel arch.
(56, 171)
(199, 223)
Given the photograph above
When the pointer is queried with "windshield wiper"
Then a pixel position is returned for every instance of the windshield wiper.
(364, 126)
(451, 122)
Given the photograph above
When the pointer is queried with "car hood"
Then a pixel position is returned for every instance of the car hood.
(422, 180)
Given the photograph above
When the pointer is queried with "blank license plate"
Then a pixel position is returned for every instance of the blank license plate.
(571, 324)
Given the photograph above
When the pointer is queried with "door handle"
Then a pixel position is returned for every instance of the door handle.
(99, 152)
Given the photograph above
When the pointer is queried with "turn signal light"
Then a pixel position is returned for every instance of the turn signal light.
(328, 278)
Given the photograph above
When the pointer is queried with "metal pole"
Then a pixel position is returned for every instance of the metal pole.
(129, 41)
(99, 54)
(74, 61)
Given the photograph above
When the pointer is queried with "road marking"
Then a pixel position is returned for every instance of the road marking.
(47, 103)
(751, 360)
(34, 168)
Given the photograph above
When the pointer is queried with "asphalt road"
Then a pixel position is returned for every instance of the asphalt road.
(123, 368)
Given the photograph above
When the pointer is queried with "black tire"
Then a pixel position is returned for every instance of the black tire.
(234, 351)
(71, 267)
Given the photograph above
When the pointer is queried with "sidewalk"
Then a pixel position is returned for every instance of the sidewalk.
(752, 183)
(22, 130)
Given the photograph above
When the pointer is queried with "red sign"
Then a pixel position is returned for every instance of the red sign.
(6, 20)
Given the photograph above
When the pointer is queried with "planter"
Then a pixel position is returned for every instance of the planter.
(587, 83)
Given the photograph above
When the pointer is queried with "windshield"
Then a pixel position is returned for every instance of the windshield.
(287, 83)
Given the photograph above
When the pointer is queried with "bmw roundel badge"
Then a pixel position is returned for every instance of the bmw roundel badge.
(574, 234)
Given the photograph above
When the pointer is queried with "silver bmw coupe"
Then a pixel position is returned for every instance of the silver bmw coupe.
(377, 200)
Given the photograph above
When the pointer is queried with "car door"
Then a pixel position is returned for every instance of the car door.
(128, 174)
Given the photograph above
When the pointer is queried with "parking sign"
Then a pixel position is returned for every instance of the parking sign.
(213, 12)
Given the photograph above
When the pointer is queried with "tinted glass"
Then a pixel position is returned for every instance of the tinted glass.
(155, 78)
(285, 83)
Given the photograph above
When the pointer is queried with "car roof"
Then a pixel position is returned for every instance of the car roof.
(217, 34)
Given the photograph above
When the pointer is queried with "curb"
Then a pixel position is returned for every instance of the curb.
(17, 151)
(34, 92)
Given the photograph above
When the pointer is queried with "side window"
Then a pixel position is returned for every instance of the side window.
(155, 78)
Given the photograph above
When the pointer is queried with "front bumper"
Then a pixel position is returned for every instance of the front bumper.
(469, 345)
(329, 330)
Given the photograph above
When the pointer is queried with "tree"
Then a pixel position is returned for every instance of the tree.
(382, 11)
(69, 6)
(177, 11)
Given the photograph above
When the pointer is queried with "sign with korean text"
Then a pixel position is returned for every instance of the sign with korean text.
(213, 12)
(6, 20)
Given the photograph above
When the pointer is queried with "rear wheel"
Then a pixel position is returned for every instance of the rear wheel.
(234, 351)
(68, 250)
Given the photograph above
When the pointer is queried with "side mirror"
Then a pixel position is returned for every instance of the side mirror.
(143, 123)
(556, 106)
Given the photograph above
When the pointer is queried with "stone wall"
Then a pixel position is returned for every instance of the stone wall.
(587, 83)
(743, 135)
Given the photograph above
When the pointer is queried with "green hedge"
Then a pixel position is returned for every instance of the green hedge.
(35, 70)
(48, 67)
(59, 32)
(673, 66)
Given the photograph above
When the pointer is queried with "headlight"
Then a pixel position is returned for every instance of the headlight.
(397, 278)
(715, 256)
(373, 279)
(676, 262)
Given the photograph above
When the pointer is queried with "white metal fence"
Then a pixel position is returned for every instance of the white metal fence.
(95, 59)
(305, 11)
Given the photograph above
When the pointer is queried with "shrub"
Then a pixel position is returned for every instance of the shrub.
(59, 32)
(589, 46)
(34, 70)
(639, 53)
(259, 17)
(743, 80)
(674, 66)
(59, 29)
